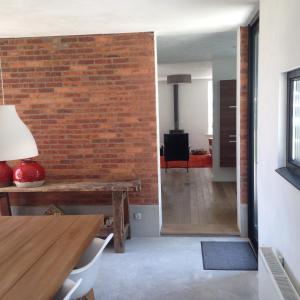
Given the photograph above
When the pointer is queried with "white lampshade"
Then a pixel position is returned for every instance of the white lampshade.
(16, 140)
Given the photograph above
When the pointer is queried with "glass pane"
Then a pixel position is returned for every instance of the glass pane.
(296, 121)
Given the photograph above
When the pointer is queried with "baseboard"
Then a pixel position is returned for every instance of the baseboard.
(243, 220)
(149, 225)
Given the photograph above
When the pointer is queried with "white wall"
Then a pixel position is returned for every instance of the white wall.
(222, 69)
(278, 200)
(193, 111)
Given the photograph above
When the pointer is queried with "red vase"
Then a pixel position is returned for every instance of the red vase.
(6, 174)
(28, 173)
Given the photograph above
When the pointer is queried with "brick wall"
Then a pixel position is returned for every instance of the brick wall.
(244, 114)
(90, 104)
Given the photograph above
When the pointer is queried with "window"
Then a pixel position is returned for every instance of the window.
(293, 126)
(291, 172)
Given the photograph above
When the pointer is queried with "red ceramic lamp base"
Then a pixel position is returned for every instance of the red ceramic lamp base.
(29, 173)
(29, 184)
(6, 174)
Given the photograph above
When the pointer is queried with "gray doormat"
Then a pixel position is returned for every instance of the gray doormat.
(228, 256)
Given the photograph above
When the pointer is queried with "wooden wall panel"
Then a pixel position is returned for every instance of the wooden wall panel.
(227, 123)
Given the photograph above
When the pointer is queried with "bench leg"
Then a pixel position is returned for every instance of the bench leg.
(118, 214)
(126, 216)
(5, 204)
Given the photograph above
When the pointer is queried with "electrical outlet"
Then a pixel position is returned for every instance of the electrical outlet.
(137, 216)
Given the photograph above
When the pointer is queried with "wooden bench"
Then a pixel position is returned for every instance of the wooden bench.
(120, 202)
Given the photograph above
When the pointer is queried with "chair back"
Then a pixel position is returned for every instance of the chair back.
(67, 290)
(176, 146)
(88, 266)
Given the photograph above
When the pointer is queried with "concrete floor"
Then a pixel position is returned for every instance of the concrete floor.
(169, 268)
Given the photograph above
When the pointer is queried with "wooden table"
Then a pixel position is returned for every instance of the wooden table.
(120, 202)
(37, 253)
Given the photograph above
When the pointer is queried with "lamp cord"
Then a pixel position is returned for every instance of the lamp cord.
(2, 88)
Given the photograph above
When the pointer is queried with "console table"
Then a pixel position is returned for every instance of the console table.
(120, 202)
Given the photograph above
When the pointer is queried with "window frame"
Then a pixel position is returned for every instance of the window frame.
(291, 164)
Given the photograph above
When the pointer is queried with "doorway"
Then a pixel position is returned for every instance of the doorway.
(202, 200)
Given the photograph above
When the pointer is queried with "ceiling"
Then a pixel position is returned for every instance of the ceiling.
(196, 47)
(187, 30)
(166, 17)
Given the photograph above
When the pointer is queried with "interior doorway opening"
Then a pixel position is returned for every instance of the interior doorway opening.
(198, 174)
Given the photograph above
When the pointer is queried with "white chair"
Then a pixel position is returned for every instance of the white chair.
(88, 267)
(67, 290)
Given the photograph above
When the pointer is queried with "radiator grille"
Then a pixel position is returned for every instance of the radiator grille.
(286, 288)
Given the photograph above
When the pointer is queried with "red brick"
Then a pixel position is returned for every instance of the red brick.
(90, 103)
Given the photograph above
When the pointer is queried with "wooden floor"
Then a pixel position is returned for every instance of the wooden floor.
(193, 204)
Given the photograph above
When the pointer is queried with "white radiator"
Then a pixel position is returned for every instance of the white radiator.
(273, 281)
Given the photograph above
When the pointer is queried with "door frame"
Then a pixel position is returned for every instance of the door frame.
(252, 231)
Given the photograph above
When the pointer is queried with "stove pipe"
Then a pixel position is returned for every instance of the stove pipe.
(175, 80)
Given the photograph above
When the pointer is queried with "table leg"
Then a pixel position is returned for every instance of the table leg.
(5, 205)
(90, 295)
(118, 215)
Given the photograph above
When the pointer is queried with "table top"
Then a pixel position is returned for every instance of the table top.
(78, 186)
(38, 252)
